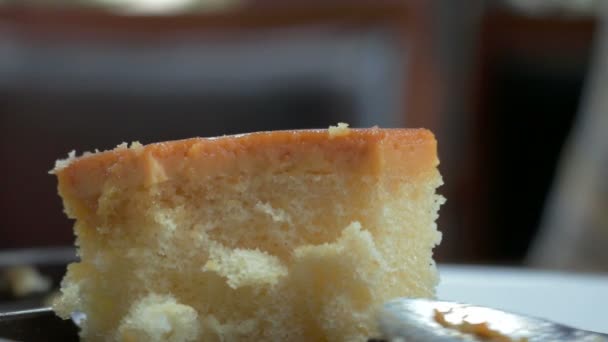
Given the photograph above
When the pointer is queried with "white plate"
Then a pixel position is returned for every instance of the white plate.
(579, 300)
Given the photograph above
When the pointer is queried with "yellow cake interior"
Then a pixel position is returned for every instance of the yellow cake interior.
(281, 236)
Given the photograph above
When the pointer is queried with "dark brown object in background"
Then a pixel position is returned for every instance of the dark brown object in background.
(31, 144)
(411, 20)
(527, 87)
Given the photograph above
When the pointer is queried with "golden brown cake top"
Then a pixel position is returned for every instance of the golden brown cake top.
(409, 152)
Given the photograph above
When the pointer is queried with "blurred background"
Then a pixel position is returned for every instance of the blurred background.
(505, 86)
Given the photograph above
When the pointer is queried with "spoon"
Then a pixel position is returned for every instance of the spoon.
(430, 320)
(400, 320)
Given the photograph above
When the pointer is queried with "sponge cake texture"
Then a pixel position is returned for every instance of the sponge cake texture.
(279, 236)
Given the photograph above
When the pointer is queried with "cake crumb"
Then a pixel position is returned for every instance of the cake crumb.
(72, 156)
(159, 318)
(339, 131)
(61, 164)
(136, 146)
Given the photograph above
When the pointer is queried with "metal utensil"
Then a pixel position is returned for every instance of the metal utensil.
(36, 325)
(400, 319)
(429, 320)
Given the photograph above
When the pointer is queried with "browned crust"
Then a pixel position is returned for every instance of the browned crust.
(408, 152)
(252, 140)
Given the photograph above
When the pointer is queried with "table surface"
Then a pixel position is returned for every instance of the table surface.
(579, 300)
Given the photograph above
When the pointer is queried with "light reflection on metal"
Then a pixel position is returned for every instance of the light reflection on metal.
(429, 320)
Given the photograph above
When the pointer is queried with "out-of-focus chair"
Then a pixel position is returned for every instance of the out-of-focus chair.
(529, 74)
(78, 78)
(574, 229)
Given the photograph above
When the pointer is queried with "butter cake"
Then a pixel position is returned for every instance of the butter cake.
(279, 236)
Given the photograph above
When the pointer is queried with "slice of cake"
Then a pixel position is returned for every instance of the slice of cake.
(276, 236)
